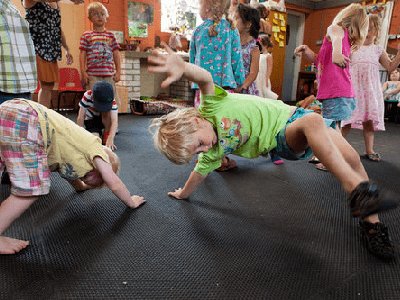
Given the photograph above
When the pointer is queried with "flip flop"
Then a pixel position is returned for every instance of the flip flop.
(228, 165)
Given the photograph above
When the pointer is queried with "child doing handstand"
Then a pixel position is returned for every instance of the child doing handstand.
(35, 141)
(248, 126)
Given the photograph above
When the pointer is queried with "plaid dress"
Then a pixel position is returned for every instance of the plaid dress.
(17, 54)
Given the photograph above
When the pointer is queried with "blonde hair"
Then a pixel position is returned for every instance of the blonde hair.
(354, 18)
(218, 9)
(173, 134)
(96, 6)
(376, 21)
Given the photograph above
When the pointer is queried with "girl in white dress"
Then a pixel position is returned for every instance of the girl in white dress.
(364, 69)
(263, 82)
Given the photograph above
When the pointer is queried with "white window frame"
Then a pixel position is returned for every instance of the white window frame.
(172, 19)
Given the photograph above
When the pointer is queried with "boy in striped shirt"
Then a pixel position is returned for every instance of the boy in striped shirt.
(99, 51)
(98, 113)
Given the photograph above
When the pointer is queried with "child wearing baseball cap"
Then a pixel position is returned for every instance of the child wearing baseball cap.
(98, 112)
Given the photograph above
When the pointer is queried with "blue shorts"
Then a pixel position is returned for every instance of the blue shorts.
(7, 96)
(283, 149)
(338, 109)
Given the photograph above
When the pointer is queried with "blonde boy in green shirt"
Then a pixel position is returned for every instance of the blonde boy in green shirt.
(248, 126)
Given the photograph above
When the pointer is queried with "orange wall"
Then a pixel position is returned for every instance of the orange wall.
(118, 20)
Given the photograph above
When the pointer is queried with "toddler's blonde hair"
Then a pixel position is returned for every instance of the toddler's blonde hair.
(376, 21)
(173, 134)
(218, 8)
(96, 6)
(355, 19)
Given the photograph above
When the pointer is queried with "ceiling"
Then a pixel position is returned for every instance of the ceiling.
(320, 4)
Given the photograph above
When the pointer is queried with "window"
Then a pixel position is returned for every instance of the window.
(180, 16)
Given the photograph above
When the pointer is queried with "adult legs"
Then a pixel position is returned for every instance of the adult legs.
(44, 96)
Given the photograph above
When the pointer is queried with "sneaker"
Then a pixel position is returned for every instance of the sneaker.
(377, 239)
(366, 199)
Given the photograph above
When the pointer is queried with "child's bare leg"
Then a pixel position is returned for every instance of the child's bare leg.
(346, 130)
(10, 210)
(368, 133)
(330, 147)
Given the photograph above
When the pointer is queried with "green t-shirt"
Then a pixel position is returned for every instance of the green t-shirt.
(246, 126)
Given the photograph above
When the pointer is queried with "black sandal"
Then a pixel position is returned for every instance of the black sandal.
(373, 157)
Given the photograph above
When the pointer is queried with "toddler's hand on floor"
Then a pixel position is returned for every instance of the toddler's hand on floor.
(136, 201)
(177, 194)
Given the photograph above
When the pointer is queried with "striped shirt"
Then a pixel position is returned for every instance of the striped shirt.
(99, 47)
(17, 53)
(87, 104)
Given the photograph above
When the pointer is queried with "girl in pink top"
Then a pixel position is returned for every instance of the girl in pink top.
(347, 33)
(364, 68)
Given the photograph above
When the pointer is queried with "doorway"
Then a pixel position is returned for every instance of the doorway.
(295, 23)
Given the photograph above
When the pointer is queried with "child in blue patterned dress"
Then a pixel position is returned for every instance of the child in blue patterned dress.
(215, 46)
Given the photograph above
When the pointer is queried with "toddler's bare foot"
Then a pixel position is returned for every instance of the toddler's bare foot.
(136, 201)
(11, 246)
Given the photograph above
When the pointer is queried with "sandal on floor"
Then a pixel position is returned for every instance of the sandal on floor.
(314, 160)
(373, 157)
(228, 165)
(321, 167)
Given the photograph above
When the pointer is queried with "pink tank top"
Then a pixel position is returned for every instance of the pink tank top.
(334, 81)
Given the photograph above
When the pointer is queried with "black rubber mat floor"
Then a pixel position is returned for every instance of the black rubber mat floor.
(259, 232)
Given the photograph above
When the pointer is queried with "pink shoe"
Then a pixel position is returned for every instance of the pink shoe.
(278, 162)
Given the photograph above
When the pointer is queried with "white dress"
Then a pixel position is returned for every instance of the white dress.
(263, 86)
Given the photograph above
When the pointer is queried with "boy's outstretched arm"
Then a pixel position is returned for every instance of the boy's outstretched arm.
(194, 180)
(115, 184)
(175, 67)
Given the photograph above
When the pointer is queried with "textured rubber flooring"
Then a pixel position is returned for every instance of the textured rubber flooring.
(259, 232)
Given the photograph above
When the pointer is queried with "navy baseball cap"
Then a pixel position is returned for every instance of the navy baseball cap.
(102, 96)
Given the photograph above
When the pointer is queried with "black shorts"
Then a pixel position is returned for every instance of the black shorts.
(94, 125)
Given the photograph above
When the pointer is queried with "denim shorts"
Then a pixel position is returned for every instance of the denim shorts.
(283, 149)
(7, 96)
(338, 109)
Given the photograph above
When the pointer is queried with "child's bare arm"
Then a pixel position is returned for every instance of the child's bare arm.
(304, 49)
(117, 63)
(70, 59)
(113, 130)
(115, 184)
(389, 64)
(336, 34)
(82, 63)
(175, 67)
(80, 120)
(194, 180)
(254, 66)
